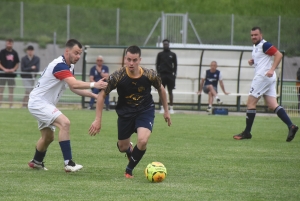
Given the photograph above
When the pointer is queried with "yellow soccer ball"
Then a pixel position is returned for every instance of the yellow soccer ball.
(155, 172)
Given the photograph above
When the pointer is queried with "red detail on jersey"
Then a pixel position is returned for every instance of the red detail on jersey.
(271, 51)
(63, 74)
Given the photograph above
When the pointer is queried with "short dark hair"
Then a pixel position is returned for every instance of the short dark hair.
(10, 40)
(166, 40)
(72, 42)
(256, 28)
(30, 47)
(134, 50)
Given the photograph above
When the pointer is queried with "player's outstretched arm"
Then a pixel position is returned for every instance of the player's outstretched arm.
(78, 84)
(82, 92)
(163, 97)
(96, 125)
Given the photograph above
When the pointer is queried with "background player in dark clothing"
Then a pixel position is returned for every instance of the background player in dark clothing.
(209, 84)
(9, 59)
(166, 66)
(135, 107)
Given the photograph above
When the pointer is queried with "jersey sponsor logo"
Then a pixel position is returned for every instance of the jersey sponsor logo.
(170, 56)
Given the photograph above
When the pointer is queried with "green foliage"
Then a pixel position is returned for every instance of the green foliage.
(202, 160)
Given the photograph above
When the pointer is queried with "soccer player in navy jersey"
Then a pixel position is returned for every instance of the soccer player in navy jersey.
(209, 84)
(264, 84)
(135, 107)
(42, 100)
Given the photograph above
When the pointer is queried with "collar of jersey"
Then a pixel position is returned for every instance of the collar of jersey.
(141, 73)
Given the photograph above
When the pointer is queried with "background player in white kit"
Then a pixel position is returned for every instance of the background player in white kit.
(43, 98)
(264, 84)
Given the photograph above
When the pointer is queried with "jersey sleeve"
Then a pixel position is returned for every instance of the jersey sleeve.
(203, 75)
(155, 79)
(62, 71)
(113, 80)
(269, 49)
(220, 76)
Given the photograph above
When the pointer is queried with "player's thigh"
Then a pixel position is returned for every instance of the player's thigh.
(271, 102)
(144, 125)
(126, 127)
(44, 112)
(260, 85)
(205, 89)
(252, 102)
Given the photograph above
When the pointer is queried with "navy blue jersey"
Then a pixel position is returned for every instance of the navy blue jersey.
(96, 74)
(134, 93)
(212, 78)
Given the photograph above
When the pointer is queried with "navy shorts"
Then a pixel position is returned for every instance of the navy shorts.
(128, 125)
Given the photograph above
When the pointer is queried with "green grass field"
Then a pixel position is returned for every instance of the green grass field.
(202, 160)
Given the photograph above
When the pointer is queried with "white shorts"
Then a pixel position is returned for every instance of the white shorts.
(44, 112)
(263, 85)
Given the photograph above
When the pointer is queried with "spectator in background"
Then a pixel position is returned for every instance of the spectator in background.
(98, 72)
(30, 65)
(166, 67)
(9, 63)
(210, 79)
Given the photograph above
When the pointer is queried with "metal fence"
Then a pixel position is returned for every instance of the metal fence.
(69, 100)
(45, 23)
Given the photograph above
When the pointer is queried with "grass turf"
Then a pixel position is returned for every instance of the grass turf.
(202, 160)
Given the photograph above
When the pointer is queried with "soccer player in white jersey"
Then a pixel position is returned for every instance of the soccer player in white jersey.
(264, 84)
(42, 100)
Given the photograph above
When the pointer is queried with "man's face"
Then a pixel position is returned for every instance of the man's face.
(74, 54)
(99, 61)
(256, 36)
(132, 61)
(166, 45)
(29, 53)
(213, 67)
(9, 45)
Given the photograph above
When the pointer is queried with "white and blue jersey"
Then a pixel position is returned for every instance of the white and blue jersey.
(262, 55)
(51, 84)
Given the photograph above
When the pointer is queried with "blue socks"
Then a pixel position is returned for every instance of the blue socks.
(250, 115)
(39, 156)
(283, 116)
(66, 150)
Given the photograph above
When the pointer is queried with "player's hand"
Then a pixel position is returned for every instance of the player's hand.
(199, 92)
(270, 73)
(167, 118)
(101, 84)
(226, 93)
(251, 62)
(95, 128)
